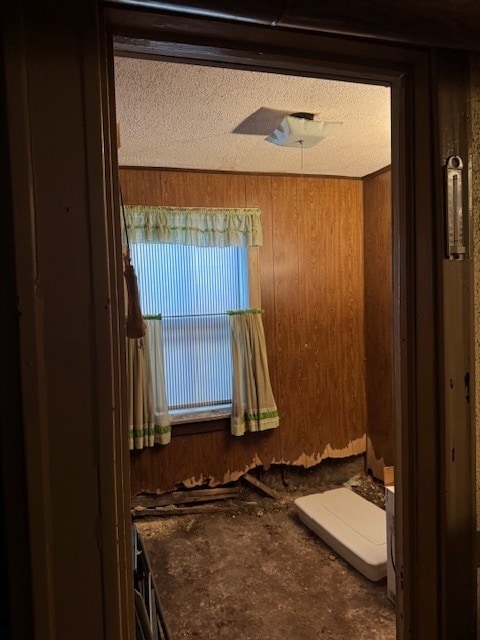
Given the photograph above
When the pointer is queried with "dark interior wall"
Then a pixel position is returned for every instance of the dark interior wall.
(311, 273)
(378, 320)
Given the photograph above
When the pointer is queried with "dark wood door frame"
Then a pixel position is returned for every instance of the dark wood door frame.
(58, 170)
(436, 24)
(450, 71)
(427, 583)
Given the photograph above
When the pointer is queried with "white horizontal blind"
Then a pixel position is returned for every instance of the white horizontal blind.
(192, 288)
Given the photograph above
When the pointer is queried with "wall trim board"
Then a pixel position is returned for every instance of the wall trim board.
(240, 173)
(374, 174)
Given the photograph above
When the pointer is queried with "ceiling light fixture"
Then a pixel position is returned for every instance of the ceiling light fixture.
(301, 130)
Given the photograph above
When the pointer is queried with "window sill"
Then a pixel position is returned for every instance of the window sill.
(208, 420)
(200, 416)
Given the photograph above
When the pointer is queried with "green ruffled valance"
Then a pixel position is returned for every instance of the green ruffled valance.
(196, 226)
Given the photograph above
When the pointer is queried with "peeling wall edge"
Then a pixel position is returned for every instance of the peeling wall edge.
(353, 448)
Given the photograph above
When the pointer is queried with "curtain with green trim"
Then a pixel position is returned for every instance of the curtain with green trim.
(162, 418)
(197, 226)
(148, 418)
(253, 404)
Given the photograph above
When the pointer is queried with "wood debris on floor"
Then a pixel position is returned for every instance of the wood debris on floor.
(256, 571)
(272, 489)
(262, 486)
(152, 505)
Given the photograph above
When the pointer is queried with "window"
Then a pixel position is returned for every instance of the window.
(192, 288)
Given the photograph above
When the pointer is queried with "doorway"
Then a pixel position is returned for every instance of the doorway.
(194, 136)
(406, 73)
(419, 443)
(59, 102)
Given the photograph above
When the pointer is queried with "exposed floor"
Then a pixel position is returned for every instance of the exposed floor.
(258, 573)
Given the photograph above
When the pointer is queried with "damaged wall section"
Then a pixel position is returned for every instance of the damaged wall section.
(312, 293)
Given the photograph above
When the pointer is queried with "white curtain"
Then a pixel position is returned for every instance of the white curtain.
(157, 370)
(253, 404)
(197, 226)
(148, 418)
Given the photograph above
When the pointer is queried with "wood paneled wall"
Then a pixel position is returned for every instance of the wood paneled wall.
(378, 321)
(311, 271)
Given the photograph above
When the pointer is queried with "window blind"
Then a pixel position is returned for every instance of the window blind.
(192, 288)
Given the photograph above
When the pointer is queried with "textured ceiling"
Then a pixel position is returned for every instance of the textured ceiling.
(198, 117)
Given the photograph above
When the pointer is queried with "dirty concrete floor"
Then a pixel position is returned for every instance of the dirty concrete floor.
(257, 573)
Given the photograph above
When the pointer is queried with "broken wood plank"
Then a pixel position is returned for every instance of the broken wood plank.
(182, 497)
(172, 510)
(260, 485)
